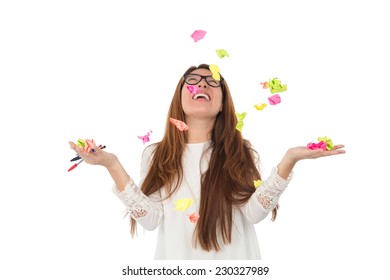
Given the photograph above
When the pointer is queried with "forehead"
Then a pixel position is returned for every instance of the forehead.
(201, 71)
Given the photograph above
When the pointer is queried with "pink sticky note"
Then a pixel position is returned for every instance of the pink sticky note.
(193, 89)
(198, 35)
(194, 217)
(88, 145)
(182, 126)
(145, 138)
(274, 99)
(316, 146)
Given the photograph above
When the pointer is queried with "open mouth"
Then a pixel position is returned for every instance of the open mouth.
(201, 95)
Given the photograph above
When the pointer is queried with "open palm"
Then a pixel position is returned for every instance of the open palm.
(301, 152)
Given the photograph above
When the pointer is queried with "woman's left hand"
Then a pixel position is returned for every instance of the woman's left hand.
(293, 155)
(298, 153)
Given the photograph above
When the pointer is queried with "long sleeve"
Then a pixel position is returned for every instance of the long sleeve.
(146, 210)
(266, 197)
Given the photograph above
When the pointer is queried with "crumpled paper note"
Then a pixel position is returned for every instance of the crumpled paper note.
(215, 72)
(257, 183)
(240, 121)
(260, 106)
(274, 85)
(182, 126)
(198, 35)
(145, 138)
(274, 99)
(183, 203)
(222, 53)
(328, 141)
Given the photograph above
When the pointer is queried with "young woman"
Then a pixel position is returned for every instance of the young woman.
(197, 185)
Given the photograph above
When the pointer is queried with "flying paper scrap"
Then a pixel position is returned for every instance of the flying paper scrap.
(198, 35)
(194, 217)
(257, 183)
(145, 138)
(182, 126)
(183, 203)
(274, 85)
(215, 72)
(222, 53)
(260, 106)
(240, 121)
(274, 99)
(193, 89)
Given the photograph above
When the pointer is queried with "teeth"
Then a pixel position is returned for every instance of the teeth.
(196, 96)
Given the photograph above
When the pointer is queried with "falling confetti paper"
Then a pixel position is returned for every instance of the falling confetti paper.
(274, 99)
(240, 122)
(260, 106)
(182, 126)
(257, 183)
(317, 146)
(145, 138)
(222, 53)
(265, 85)
(198, 35)
(274, 85)
(183, 203)
(215, 72)
(328, 141)
(193, 89)
(194, 217)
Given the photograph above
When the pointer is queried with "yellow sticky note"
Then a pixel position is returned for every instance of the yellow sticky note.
(80, 143)
(183, 203)
(215, 72)
(257, 183)
(240, 121)
(328, 141)
(260, 106)
(222, 53)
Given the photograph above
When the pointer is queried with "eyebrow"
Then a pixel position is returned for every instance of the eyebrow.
(199, 75)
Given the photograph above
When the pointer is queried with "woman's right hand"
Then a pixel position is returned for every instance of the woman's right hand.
(98, 157)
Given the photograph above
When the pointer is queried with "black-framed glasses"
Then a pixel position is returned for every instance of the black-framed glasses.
(193, 79)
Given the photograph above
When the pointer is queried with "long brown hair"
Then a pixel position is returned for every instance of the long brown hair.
(228, 181)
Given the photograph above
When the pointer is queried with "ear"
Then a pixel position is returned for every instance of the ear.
(220, 109)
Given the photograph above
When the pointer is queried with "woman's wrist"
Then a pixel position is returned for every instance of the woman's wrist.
(114, 164)
(286, 165)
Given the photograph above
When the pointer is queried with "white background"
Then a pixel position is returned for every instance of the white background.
(107, 70)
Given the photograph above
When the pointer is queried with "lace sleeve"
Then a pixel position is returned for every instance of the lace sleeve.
(266, 197)
(268, 193)
(146, 210)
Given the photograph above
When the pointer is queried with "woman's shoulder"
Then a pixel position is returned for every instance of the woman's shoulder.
(149, 150)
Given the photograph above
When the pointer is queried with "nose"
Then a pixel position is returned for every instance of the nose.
(202, 82)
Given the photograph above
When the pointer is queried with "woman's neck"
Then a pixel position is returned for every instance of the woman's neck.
(199, 130)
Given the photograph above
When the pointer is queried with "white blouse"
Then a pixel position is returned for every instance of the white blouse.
(174, 216)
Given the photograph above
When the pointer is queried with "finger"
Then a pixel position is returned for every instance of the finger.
(72, 145)
(333, 152)
(340, 146)
(75, 147)
(80, 151)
